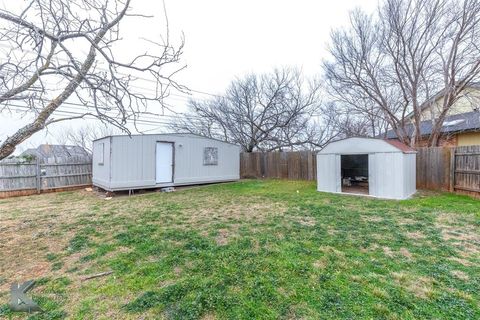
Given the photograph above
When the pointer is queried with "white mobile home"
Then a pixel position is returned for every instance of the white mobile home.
(162, 160)
(375, 167)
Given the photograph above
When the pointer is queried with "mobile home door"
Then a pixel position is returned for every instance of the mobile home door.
(164, 162)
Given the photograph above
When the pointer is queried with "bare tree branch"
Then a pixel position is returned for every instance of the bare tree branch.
(50, 69)
(262, 112)
(410, 56)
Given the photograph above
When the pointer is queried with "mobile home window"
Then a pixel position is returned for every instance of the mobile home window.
(101, 153)
(210, 156)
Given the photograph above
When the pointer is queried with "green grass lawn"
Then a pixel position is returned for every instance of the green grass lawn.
(252, 249)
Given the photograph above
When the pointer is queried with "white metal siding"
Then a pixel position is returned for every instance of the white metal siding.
(410, 173)
(133, 161)
(101, 167)
(392, 173)
(328, 173)
(372, 176)
(388, 175)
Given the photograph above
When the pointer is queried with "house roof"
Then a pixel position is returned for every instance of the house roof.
(46, 151)
(469, 121)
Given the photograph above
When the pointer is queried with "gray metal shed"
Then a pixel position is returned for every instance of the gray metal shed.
(162, 160)
(367, 166)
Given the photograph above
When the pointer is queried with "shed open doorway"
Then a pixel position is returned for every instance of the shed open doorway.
(354, 169)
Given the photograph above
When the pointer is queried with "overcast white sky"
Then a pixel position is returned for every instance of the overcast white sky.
(228, 38)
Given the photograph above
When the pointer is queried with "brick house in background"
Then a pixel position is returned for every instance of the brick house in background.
(460, 128)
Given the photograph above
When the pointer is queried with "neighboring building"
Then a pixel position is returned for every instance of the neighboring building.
(458, 130)
(468, 102)
(162, 160)
(367, 166)
(51, 153)
(461, 126)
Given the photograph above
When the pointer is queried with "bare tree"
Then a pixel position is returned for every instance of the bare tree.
(349, 122)
(410, 55)
(260, 112)
(84, 136)
(45, 65)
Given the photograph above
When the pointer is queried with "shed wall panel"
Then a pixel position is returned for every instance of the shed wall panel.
(391, 171)
(410, 174)
(388, 175)
(133, 161)
(101, 169)
(328, 176)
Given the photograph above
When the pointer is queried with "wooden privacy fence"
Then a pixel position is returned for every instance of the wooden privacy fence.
(465, 166)
(449, 169)
(24, 178)
(298, 165)
(433, 168)
(454, 169)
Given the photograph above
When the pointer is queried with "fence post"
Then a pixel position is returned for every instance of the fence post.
(453, 151)
(37, 169)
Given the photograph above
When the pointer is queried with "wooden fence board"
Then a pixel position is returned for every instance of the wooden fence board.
(433, 168)
(467, 169)
(20, 178)
(298, 165)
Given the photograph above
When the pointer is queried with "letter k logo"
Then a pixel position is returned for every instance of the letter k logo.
(19, 301)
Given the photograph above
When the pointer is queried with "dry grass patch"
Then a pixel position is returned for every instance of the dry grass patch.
(461, 261)
(222, 238)
(406, 253)
(371, 218)
(420, 286)
(320, 263)
(388, 252)
(305, 221)
(239, 210)
(464, 237)
(415, 235)
(333, 251)
(460, 275)
(380, 293)
(406, 221)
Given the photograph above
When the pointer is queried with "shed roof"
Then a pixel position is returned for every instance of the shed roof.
(362, 145)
